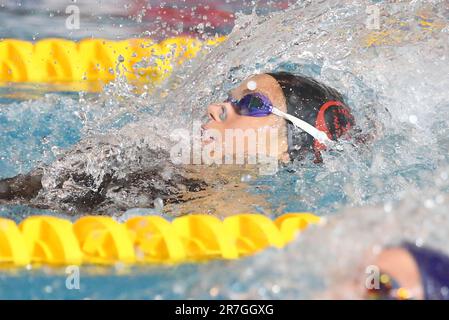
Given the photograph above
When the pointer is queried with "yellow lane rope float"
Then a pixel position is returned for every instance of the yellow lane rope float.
(144, 239)
(90, 60)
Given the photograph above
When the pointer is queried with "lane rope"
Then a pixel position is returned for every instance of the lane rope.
(48, 240)
(57, 61)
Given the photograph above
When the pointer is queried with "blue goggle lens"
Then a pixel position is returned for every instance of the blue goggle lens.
(253, 105)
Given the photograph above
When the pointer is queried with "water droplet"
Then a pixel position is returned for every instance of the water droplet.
(178, 289)
(413, 119)
(119, 267)
(214, 291)
(429, 203)
(48, 289)
(252, 85)
(419, 242)
(158, 204)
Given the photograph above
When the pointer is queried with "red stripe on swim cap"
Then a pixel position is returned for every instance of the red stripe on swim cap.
(320, 122)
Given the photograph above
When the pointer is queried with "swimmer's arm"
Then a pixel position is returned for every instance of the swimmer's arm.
(21, 186)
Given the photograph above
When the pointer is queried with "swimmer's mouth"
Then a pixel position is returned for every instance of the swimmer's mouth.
(205, 138)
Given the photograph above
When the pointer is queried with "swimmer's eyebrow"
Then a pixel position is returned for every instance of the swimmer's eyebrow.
(244, 92)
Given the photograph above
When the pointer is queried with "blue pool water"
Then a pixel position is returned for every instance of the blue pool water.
(404, 168)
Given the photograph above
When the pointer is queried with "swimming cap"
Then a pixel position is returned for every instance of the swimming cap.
(434, 269)
(317, 104)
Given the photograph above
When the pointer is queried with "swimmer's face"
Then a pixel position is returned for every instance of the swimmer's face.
(270, 131)
(400, 264)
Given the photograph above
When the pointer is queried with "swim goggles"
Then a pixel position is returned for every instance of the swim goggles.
(389, 289)
(258, 105)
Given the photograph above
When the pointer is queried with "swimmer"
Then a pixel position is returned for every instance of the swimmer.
(320, 115)
(411, 272)
(400, 272)
(99, 175)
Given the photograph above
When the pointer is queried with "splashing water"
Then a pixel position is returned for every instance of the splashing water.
(395, 77)
(400, 81)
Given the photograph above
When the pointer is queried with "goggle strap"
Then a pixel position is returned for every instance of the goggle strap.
(319, 135)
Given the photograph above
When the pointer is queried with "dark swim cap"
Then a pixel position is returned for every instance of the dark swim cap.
(434, 269)
(317, 104)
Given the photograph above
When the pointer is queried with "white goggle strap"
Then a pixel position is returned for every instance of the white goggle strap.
(314, 132)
